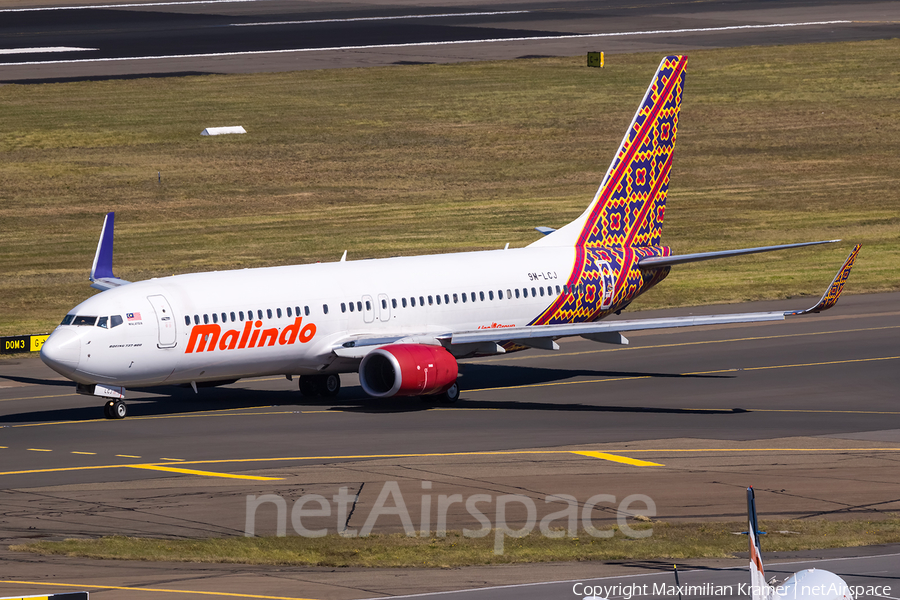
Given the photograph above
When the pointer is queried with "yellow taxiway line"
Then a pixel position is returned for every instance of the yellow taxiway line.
(203, 473)
(161, 590)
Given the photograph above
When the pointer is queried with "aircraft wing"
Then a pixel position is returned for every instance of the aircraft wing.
(102, 277)
(544, 336)
(605, 330)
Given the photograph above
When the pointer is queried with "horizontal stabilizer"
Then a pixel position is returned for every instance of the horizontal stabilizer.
(678, 259)
(545, 230)
(102, 277)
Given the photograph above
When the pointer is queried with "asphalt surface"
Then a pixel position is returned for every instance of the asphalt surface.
(806, 410)
(93, 41)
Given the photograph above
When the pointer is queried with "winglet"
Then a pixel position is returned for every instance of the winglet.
(831, 296)
(103, 258)
(102, 277)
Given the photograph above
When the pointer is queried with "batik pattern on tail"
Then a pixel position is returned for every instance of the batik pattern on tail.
(625, 221)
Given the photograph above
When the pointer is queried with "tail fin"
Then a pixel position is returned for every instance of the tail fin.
(628, 208)
(759, 589)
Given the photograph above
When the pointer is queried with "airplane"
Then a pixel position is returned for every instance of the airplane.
(808, 584)
(401, 322)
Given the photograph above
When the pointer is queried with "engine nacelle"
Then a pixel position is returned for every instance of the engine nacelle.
(407, 370)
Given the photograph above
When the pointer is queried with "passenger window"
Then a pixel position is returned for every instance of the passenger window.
(352, 307)
(517, 292)
(116, 320)
(368, 305)
(500, 294)
(430, 300)
(187, 320)
(80, 320)
(413, 301)
(464, 296)
(446, 299)
(343, 307)
(241, 315)
(473, 297)
(403, 302)
(232, 317)
(558, 291)
(533, 293)
(394, 302)
(549, 290)
(196, 319)
(268, 313)
(324, 309)
(259, 314)
(481, 296)
(206, 319)
(455, 299)
(102, 322)
(215, 318)
(438, 298)
(542, 290)
(509, 294)
(278, 312)
(490, 294)
(306, 310)
(67, 320)
(289, 312)
(359, 305)
(421, 300)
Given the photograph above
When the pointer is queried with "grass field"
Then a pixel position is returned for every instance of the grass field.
(671, 541)
(775, 145)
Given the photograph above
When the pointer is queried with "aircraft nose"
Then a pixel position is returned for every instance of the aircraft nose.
(62, 351)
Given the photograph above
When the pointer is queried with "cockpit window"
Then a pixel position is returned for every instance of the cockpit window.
(115, 321)
(82, 320)
(102, 322)
(67, 320)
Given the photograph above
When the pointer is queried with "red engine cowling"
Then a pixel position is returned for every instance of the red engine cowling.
(407, 370)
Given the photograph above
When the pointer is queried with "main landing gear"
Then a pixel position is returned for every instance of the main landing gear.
(320, 385)
(115, 409)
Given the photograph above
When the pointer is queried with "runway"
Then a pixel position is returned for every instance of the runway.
(91, 40)
(803, 410)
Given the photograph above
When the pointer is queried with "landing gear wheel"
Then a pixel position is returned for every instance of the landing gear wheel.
(330, 385)
(450, 396)
(308, 385)
(115, 409)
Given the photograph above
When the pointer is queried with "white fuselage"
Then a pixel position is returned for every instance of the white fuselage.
(429, 295)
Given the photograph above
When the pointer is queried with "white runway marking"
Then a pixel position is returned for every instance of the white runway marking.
(43, 50)
(415, 44)
(435, 16)
(133, 5)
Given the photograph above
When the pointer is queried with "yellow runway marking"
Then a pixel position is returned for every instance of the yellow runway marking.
(620, 459)
(76, 452)
(168, 467)
(175, 459)
(39, 450)
(682, 344)
(203, 473)
(127, 456)
(719, 371)
(160, 590)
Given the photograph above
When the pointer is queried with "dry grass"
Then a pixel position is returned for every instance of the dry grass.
(793, 143)
(673, 541)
